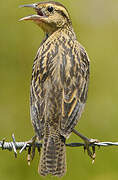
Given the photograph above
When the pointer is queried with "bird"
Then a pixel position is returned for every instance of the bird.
(59, 85)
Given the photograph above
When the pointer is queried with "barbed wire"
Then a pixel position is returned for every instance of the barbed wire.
(14, 146)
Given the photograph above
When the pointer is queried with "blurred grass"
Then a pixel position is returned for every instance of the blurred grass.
(96, 25)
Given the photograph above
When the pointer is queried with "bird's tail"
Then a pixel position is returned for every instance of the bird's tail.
(53, 156)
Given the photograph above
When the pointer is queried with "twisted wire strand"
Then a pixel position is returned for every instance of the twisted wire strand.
(14, 146)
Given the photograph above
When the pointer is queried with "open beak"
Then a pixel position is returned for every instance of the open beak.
(35, 17)
(29, 5)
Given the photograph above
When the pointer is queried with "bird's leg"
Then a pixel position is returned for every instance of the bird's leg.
(88, 143)
(31, 149)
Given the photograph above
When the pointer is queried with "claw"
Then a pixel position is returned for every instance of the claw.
(31, 149)
(88, 143)
(91, 153)
(29, 156)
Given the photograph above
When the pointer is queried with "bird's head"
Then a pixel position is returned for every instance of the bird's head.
(50, 15)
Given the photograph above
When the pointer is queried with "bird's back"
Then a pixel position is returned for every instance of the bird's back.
(58, 93)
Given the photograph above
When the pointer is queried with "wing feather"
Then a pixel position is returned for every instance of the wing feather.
(75, 88)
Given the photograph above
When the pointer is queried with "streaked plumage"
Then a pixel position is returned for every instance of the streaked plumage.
(59, 86)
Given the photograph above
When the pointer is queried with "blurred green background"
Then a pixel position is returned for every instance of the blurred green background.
(96, 26)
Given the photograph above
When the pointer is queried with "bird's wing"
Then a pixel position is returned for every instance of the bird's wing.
(75, 77)
(37, 94)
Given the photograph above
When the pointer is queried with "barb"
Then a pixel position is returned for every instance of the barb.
(13, 145)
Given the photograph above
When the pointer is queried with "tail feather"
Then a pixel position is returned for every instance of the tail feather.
(53, 157)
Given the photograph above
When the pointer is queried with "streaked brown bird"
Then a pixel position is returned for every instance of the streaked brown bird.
(59, 85)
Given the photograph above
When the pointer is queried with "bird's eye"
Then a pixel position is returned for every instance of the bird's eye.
(50, 8)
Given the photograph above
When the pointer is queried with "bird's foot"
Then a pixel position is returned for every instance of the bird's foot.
(31, 149)
(89, 143)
